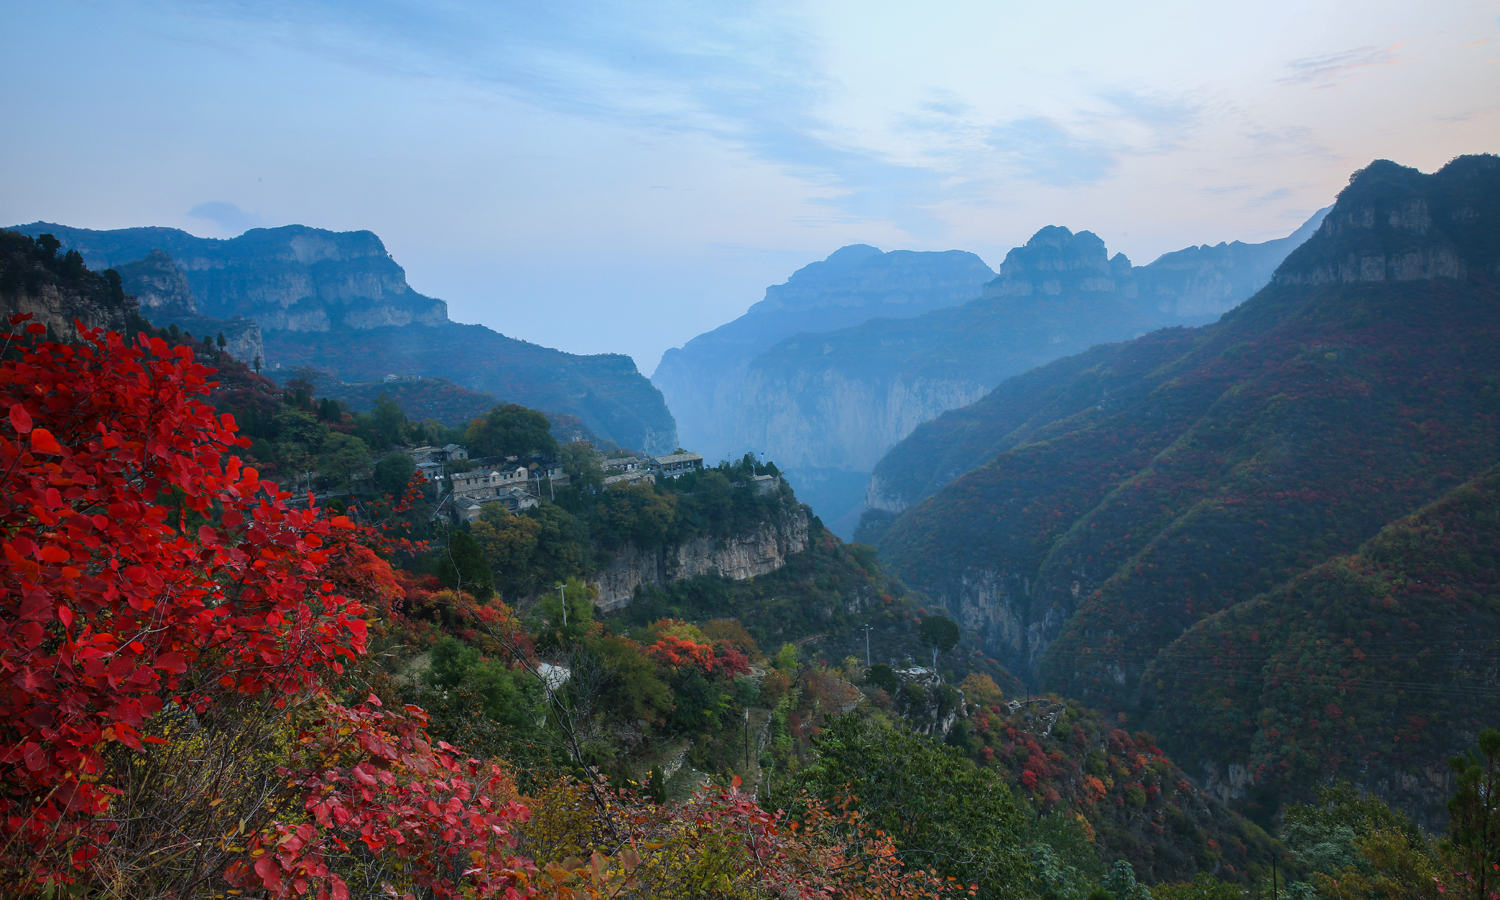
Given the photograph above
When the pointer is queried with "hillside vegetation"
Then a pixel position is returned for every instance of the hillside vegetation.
(1133, 491)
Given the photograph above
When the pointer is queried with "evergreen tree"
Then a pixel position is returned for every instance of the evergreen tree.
(462, 566)
(47, 246)
(1474, 815)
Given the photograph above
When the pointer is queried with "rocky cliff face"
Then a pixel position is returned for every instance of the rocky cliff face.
(841, 400)
(704, 380)
(1402, 228)
(337, 302)
(292, 278)
(1199, 284)
(35, 281)
(1093, 299)
(166, 298)
(739, 557)
(159, 286)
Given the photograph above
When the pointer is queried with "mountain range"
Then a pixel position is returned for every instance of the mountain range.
(842, 361)
(703, 381)
(338, 302)
(1271, 540)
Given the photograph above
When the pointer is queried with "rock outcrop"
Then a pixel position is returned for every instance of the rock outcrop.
(292, 278)
(41, 282)
(166, 298)
(338, 302)
(759, 552)
(844, 398)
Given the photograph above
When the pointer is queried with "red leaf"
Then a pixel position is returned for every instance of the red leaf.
(20, 419)
(172, 662)
(53, 554)
(42, 441)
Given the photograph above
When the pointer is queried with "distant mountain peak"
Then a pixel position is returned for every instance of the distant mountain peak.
(1394, 223)
(1053, 262)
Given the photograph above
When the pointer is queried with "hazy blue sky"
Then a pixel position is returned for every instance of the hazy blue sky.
(620, 176)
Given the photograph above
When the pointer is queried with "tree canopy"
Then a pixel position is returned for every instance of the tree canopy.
(511, 430)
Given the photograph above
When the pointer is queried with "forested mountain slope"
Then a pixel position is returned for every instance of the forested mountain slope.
(1144, 486)
(1375, 666)
(338, 302)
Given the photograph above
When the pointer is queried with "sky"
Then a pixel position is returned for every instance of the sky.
(605, 176)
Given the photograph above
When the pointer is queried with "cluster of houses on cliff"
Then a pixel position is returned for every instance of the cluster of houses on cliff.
(518, 484)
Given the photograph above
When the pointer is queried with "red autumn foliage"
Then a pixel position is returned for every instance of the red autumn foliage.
(136, 549)
(675, 652)
(372, 785)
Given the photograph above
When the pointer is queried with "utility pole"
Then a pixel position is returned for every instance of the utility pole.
(1273, 877)
(562, 589)
(747, 741)
(867, 645)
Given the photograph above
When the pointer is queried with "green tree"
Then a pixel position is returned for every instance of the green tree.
(884, 677)
(635, 514)
(713, 501)
(462, 566)
(941, 812)
(387, 422)
(48, 245)
(561, 545)
(568, 609)
(581, 464)
(72, 264)
(344, 456)
(511, 430)
(1064, 861)
(1323, 837)
(1473, 842)
(509, 543)
(296, 426)
(116, 286)
(1203, 887)
(393, 473)
(505, 696)
(940, 633)
(633, 691)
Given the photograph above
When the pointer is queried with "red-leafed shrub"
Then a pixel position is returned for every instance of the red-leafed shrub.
(144, 567)
(376, 797)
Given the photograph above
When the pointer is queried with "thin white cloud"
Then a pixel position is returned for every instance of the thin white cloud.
(1336, 69)
(1045, 151)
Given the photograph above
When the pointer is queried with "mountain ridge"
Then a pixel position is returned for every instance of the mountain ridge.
(1137, 490)
(338, 302)
(830, 405)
